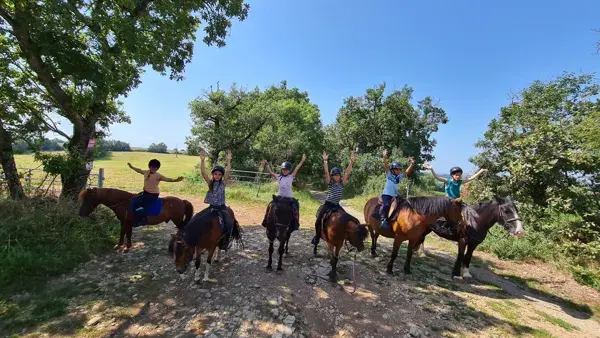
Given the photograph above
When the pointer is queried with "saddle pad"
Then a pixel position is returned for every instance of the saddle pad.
(154, 210)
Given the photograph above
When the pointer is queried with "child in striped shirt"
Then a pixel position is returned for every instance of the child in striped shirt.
(335, 188)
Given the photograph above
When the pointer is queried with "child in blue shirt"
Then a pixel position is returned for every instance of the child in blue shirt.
(454, 182)
(393, 175)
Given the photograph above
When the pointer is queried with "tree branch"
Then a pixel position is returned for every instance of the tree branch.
(247, 137)
(32, 54)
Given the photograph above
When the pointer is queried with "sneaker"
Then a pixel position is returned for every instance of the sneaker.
(384, 224)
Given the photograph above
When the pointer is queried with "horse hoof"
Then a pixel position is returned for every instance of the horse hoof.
(390, 272)
(269, 269)
(374, 254)
(457, 277)
(117, 247)
(279, 272)
(126, 250)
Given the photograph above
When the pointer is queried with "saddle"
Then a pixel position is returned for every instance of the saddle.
(330, 212)
(393, 211)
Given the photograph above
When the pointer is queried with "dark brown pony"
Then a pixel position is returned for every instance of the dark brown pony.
(479, 219)
(339, 226)
(203, 233)
(174, 209)
(414, 216)
(279, 226)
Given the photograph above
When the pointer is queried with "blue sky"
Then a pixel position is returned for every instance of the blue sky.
(469, 55)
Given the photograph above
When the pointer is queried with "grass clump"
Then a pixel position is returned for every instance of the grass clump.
(42, 237)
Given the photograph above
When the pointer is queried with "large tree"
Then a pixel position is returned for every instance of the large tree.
(543, 148)
(226, 120)
(376, 121)
(24, 114)
(87, 54)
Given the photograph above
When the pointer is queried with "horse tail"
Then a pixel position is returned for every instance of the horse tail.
(236, 234)
(189, 212)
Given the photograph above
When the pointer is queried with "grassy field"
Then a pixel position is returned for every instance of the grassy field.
(118, 175)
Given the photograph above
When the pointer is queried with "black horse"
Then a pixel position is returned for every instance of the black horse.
(480, 218)
(280, 221)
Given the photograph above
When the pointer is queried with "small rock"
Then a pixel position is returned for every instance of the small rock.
(415, 332)
(238, 285)
(94, 320)
(275, 312)
(289, 320)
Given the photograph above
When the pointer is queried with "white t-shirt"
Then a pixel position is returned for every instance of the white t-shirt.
(285, 185)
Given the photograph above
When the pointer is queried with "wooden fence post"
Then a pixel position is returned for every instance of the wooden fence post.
(100, 177)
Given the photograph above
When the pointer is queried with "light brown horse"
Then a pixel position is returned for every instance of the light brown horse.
(173, 209)
(414, 216)
(203, 233)
(339, 226)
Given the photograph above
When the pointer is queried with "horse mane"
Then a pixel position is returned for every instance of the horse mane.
(104, 193)
(197, 227)
(428, 205)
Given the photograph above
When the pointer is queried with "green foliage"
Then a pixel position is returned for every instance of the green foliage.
(42, 238)
(543, 150)
(86, 56)
(375, 121)
(160, 148)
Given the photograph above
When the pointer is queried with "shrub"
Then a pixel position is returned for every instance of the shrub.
(41, 238)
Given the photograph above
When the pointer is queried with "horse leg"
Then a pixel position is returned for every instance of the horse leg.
(281, 250)
(121, 236)
(198, 262)
(208, 263)
(374, 236)
(287, 242)
(271, 249)
(129, 230)
(467, 261)
(217, 254)
(335, 252)
(456, 273)
(390, 266)
(412, 245)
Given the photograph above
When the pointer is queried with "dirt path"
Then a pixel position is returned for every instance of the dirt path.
(140, 294)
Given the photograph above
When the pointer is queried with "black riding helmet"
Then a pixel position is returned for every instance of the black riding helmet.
(154, 163)
(335, 171)
(218, 168)
(286, 165)
(455, 170)
(396, 165)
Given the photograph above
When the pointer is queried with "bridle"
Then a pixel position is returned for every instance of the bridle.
(503, 219)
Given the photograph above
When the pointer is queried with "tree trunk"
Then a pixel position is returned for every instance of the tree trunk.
(214, 156)
(11, 175)
(73, 181)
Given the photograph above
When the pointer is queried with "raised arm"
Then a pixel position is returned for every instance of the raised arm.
(299, 165)
(437, 177)
(386, 161)
(481, 171)
(228, 169)
(411, 167)
(203, 167)
(349, 168)
(268, 167)
(326, 167)
(137, 170)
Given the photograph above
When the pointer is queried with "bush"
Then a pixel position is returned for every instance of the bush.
(42, 238)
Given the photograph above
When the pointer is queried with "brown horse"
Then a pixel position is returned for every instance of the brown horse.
(339, 226)
(174, 209)
(203, 233)
(414, 216)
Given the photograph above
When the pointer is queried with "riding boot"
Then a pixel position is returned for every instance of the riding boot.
(384, 223)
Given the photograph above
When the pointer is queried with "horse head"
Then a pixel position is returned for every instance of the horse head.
(508, 216)
(182, 252)
(356, 234)
(283, 217)
(89, 201)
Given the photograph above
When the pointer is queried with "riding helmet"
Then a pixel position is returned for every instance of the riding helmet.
(218, 168)
(154, 163)
(335, 171)
(455, 170)
(396, 165)
(286, 165)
